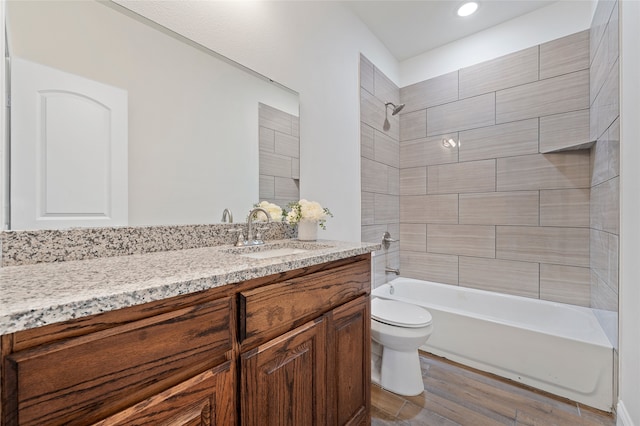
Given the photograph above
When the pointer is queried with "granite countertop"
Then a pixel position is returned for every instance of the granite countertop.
(36, 295)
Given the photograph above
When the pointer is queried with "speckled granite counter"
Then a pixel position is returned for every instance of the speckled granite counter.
(36, 295)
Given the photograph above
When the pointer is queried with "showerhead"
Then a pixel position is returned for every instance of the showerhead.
(396, 108)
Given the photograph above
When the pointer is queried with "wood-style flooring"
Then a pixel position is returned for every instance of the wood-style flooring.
(458, 395)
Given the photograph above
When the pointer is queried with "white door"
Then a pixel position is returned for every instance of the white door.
(68, 150)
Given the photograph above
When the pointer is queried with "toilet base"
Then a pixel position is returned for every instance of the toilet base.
(401, 372)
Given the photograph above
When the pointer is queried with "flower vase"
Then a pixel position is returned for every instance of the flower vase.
(308, 230)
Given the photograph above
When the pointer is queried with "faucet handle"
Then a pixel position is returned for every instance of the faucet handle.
(387, 240)
(240, 239)
(258, 239)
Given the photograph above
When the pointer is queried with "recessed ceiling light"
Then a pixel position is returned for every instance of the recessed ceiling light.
(467, 8)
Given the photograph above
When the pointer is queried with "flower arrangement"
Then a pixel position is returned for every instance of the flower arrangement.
(274, 210)
(307, 210)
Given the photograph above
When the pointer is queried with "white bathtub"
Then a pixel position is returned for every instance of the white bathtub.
(555, 347)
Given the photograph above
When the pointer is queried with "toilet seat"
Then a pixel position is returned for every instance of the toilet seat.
(400, 314)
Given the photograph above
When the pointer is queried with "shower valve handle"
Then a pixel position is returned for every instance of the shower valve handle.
(387, 240)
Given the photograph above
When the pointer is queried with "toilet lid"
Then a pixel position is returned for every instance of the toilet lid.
(394, 312)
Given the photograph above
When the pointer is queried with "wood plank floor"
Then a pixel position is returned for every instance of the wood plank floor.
(459, 395)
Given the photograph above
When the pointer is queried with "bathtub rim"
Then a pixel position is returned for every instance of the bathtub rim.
(601, 339)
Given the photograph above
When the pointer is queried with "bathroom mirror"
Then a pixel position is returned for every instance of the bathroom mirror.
(193, 133)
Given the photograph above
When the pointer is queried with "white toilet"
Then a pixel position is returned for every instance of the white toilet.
(400, 329)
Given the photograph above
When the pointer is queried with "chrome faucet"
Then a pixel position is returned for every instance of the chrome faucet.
(227, 213)
(392, 270)
(257, 240)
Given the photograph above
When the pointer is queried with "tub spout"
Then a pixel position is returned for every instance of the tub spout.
(393, 271)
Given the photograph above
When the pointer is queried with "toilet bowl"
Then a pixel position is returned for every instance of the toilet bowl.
(400, 328)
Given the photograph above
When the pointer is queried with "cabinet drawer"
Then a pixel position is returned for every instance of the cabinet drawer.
(81, 380)
(274, 309)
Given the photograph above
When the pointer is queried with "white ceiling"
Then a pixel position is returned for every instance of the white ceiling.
(409, 28)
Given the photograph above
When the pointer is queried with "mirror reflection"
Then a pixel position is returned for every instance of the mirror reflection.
(193, 135)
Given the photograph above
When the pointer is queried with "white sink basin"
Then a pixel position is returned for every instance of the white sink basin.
(279, 249)
(276, 252)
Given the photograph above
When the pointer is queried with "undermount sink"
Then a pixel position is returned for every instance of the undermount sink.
(268, 251)
(275, 252)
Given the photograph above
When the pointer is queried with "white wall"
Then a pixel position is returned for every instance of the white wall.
(629, 293)
(540, 26)
(313, 48)
(4, 161)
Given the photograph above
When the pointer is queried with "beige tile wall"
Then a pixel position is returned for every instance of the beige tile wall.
(501, 211)
(279, 159)
(605, 157)
(380, 165)
(527, 202)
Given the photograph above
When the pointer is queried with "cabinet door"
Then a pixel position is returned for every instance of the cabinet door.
(204, 400)
(283, 380)
(349, 364)
(119, 366)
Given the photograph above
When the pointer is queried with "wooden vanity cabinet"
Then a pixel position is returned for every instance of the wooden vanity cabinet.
(288, 349)
(110, 364)
(311, 365)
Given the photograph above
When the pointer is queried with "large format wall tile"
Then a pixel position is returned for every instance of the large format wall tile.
(413, 237)
(367, 143)
(374, 175)
(565, 207)
(568, 92)
(606, 106)
(429, 151)
(564, 55)
(605, 257)
(366, 74)
(504, 276)
(267, 189)
(286, 189)
(463, 240)
(387, 150)
(563, 246)
(565, 284)
(275, 165)
(372, 113)
(605, 155)
(472, 176)
(440, 268)
(393, 186)
(503, 140)
(385, 89)
(507, 71)
(544, 171)
(605, 206)
(429, 209)
(602, 296)
(287, 145)
(367, 214)
(413, 181)
(435, 91)
(267, 139)
(567, 130)
(386, 208)
(413, 125)
(599, 23)
(500, 208)
(466, 114)
(373, 234)
(272, 118)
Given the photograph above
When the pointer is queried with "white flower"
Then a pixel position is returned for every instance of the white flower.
(307, 210)
(274, 211)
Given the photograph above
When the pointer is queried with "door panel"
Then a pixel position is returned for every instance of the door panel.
(68, 150)
(283, 381)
